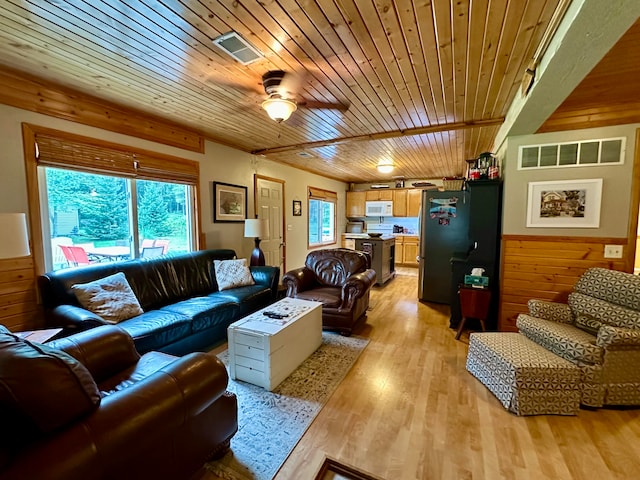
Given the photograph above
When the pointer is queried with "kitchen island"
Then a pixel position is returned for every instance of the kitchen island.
(382, 251)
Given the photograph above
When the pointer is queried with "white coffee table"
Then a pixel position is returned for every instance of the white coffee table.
(264, 351)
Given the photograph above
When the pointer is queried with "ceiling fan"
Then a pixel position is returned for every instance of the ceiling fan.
(283, 99)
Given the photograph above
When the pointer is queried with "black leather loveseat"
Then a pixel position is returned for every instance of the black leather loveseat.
(184, 311)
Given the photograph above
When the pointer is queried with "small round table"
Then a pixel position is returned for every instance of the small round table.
(474, 303)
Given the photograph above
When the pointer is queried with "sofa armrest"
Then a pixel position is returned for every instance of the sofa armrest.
(104, 351)
(155, 407)
(298, 280)
(610, 336)
(556, 312)
(73, 318)
(268, 276)
(356, 286)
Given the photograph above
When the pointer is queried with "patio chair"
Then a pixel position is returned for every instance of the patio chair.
(75, 255)
(149, 252)
(162, 243)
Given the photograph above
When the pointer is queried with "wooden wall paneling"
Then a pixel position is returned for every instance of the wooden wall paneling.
(29, 93)
(633, 253)
(19, 309)
(547, 268)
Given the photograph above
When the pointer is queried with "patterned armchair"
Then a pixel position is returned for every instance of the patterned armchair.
(598, 330)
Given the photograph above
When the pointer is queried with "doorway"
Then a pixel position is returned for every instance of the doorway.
(269, 204)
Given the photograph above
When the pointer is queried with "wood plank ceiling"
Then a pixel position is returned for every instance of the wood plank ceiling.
(426, 83)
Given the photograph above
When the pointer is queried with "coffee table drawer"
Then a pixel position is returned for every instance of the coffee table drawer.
(250, 363)
(242, 338)
(254, 377)
(249, 351)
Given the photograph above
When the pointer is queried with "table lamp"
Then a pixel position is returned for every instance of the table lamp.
(257, 228)
(15, 242)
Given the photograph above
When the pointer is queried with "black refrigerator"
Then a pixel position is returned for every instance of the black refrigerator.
(444, 234)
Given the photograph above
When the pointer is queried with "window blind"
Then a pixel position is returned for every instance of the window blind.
(320, 194)
(104, 158)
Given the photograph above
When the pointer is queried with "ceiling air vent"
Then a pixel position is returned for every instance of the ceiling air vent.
(305, 155)
(236, 46)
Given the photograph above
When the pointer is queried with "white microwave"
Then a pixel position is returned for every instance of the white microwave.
(379, 208)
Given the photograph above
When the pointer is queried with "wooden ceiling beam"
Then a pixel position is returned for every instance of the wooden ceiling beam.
(445, 127)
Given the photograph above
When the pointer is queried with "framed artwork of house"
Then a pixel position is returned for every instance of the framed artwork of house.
(229, 202)
(564, 204)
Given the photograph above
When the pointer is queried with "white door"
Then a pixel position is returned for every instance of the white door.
(269, 194)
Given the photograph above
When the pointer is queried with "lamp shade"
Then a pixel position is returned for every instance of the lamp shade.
(279, 109)
(256, 228)
(15, 240)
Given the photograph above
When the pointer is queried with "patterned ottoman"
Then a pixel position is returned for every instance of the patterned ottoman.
(526, 378)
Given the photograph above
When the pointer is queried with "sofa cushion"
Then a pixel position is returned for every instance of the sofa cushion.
(110, 297)
(156, 328)
(332, 267)
(232, 273)
(330, 297)
(26, 370)
(608, 313)
(588, 323)
(562, 339)
(249, 298)
(205, 312)
(619, 288)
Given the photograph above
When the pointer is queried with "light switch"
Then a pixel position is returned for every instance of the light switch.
(289, 227)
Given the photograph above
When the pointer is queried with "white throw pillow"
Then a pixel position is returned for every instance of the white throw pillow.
(110, 297)
(232, 273)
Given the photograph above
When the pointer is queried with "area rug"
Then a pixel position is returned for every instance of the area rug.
(270, 424)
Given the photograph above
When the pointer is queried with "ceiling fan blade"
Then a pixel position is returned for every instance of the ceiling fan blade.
(322, 105)
(290, 85)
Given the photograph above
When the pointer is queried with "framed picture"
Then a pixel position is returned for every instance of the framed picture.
(565, 204)
(297, 208)
(229, 202)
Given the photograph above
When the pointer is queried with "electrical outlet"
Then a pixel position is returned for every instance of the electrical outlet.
(613, 251)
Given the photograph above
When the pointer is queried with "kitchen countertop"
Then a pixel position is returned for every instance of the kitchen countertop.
(364, 236)
(386, 237)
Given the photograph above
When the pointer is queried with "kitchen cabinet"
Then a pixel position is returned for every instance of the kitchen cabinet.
(349, 243)
(400, 203)
(407, 250)
(399, 249)
(373, 195)
(410, 251)
(355, 204)
(406, 201)
(414, 199)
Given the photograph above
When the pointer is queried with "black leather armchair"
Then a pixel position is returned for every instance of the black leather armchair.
(339, 278)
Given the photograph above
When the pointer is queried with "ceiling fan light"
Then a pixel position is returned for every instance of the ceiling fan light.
(279, 109)
(385, 166)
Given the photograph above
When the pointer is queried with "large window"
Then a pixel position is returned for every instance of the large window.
(102, 202)
(322, 217)
(97, 216)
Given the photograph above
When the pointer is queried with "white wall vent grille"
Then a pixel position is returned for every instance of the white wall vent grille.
(587, 153)
(236, 46)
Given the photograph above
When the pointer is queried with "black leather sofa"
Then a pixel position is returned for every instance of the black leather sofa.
(184, 311)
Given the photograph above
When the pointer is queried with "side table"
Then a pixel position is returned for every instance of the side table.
(474, 303)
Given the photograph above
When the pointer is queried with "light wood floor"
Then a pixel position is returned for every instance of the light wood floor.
(408, 409)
